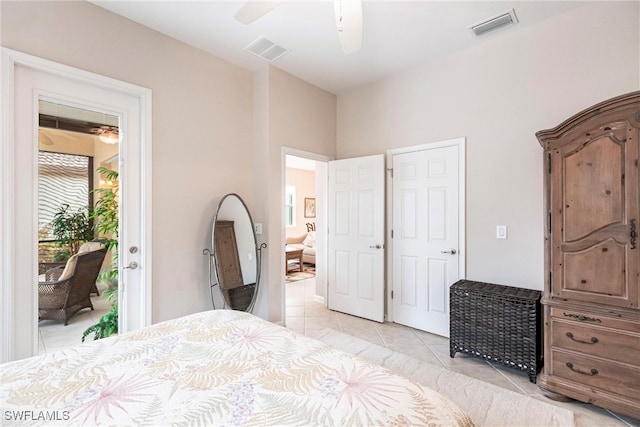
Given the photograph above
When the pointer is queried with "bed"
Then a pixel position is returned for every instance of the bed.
(219, 367)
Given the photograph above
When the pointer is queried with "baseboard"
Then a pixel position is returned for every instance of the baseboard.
(318, 298)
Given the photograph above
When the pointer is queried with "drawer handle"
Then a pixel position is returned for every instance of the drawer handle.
(593, 339)
(593, 372)
(582, 318)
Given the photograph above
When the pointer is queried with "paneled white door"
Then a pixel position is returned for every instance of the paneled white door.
(35, 79)
(356, 237)
(425, 236)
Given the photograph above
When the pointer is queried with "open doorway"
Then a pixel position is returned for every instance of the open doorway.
(304, 232)
(78, 181)
(300, 219)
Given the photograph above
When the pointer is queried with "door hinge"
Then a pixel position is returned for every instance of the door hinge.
(392, 294)
(549, 163)
(392, 234)
(391, 170)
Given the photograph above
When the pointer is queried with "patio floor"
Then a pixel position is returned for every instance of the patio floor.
(54, 335)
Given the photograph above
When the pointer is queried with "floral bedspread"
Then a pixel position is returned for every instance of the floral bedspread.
(218, 367)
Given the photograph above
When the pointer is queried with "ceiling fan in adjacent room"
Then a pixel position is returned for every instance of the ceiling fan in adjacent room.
(348, 19)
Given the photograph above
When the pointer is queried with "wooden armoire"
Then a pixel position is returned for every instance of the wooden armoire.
(227, 258)
(592, 261)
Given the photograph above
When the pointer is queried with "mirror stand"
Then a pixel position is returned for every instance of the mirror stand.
(212, 265)
(235, 260)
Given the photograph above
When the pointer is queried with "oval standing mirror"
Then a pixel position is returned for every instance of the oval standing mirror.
(235, 253)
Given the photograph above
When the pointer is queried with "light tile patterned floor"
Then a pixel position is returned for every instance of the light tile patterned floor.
(307, 316)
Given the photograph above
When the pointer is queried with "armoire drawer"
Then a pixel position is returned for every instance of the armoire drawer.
(606, 343)
(611, 376)
(590, 319)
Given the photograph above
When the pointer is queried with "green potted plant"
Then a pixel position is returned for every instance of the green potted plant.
(105, 216)
(70, 230)
(108, 323)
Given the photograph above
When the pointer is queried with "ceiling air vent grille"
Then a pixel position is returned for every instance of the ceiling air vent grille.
(491, 24)
(266, 49)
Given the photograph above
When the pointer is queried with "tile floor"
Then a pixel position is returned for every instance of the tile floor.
(54, 335)
(307, 316)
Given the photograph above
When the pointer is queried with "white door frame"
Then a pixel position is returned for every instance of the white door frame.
(15, 256)
(321, 215)
(461, 144)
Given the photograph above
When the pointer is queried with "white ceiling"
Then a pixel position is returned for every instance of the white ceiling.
(397, 34)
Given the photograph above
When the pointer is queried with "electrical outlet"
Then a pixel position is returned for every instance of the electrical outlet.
(501, 231)
(258, 228)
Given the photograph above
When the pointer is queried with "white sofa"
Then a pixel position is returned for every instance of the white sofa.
(306, 242)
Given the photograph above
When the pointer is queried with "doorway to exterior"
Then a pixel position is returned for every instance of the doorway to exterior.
(78, 181)
(28, 80)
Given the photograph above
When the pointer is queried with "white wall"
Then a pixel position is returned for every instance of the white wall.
(497, 95)
(202, 127)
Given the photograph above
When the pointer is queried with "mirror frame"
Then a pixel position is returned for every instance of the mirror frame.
(256, 250)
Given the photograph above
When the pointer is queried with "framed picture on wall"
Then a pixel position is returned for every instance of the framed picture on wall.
(309, 207)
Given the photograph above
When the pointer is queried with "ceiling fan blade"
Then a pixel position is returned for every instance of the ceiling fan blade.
(349, 24)
(254, 9)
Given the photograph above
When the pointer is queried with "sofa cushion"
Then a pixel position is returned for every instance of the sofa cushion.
(310, 240)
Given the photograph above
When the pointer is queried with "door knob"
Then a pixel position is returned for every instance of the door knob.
(450, 251)
(132, 265)
(375, 247)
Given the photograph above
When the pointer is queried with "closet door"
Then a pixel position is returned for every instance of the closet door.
(594, 214)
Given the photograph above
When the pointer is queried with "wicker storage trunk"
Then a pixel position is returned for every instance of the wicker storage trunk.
(501, 324)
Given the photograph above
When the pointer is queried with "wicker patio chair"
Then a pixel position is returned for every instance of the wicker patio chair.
(67, 290)
(88, 247)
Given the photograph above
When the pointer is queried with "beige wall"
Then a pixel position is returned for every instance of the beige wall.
(305, 183)
(289, 113)
(208, 113)
(202, 127)
(217, 129)
(497, 95)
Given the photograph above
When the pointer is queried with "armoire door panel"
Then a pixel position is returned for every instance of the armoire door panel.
(596, 272)
(593, 188)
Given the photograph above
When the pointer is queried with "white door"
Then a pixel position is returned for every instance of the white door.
(356, 237)
(425, 237)
(72, 87)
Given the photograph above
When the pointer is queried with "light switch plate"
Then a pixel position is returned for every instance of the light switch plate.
(501, 231)
(258, 227)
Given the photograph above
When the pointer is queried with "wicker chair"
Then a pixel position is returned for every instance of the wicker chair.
(67, 290)
(93, 245)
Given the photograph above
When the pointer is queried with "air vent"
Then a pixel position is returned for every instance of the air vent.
(266, 49)
(494, 23)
